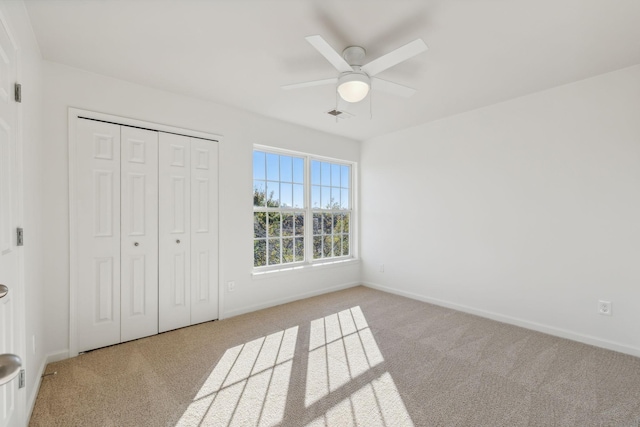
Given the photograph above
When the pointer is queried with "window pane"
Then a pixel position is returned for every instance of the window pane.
(315, 172)
(273, 167)
(274, 252)
(286, 169)
(258, 165)
(259, 224)
(337, 223)
(315, 197)
(298, 196)
(299, 225)
(317, 223)
(326, 197)
(346, 176)
(326, 246)
(286, 195)
(259, 253)
(345, 224)
(345, 244)
(325, 173)
(317, 247)
(287, 250)
(287, 224)
(337, 246)
(259, 195)
(344, 199)
(274, 224)
(335, 175)
(335, 198)
(298, 170)
(273, 194)
(327, 223)
(299, 248)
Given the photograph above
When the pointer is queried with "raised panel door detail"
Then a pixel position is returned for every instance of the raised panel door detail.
(178, 155)
(204, 230)
(104, 289)
(103, 146)
(203, 279)
(178, 197)
(137, 204)
(201, 205)
(202, 158)
(174, 228)
(137, 271)
(97, 234)
(136, 150)
(179, 279)
(139, 214)
(103, 199)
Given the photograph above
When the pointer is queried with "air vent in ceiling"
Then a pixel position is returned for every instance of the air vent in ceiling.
(339, 114)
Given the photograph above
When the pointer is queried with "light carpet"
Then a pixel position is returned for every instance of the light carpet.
(355, 357)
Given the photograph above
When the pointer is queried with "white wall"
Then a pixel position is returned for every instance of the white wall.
(526, 211)
(68, 87)
(30, 113)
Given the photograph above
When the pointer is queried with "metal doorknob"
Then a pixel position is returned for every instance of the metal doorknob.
(3, 291)
(136, 244)
(10, 365)
(178, 241)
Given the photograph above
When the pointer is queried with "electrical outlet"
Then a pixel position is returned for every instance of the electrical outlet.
(231, 286)
(381, 268)
(604, 307)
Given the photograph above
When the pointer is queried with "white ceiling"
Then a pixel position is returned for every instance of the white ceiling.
(239, 52)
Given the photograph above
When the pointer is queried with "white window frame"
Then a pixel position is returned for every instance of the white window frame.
(309, 211)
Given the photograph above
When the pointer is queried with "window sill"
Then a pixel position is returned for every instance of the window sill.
(265, 274)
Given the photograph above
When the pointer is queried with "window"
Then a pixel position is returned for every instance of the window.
(331, 207)
(287, 190)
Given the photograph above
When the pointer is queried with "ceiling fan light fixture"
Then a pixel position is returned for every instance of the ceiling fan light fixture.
(353, 87)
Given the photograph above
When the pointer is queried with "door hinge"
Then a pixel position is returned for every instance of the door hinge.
(19, 237)
(21, 379)
(18, 92)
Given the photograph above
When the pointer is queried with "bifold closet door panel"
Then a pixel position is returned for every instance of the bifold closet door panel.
(139, 233)
(97, 234)
(204, 230)
(174, 231)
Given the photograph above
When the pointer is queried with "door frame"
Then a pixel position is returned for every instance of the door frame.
(75, 114)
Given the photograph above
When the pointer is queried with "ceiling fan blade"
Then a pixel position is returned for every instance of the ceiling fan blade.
(329, 53)
(403, 53)
(392, 88)
(310, 84)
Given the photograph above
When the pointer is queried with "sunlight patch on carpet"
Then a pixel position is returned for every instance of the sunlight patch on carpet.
(248, 386)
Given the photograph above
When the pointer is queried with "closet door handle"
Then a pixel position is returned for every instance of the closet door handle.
(178, 241)
(3, 291)
(136, 244)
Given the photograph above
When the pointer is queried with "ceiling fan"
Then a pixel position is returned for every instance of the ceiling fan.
(356, 79)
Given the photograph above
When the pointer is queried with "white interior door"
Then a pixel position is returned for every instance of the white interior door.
(98, 234)
(11, 397)
(204, 230)
(139, 233)
(174, 231)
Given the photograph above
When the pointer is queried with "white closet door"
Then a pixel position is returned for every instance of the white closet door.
(175, 232)
(98, 234)
(204, 230)
(139, 233)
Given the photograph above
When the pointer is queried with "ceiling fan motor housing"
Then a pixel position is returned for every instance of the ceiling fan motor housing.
(354, 55)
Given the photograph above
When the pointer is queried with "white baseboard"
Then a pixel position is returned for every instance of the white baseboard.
(296, 297)
(49, 358)
(539, 327)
